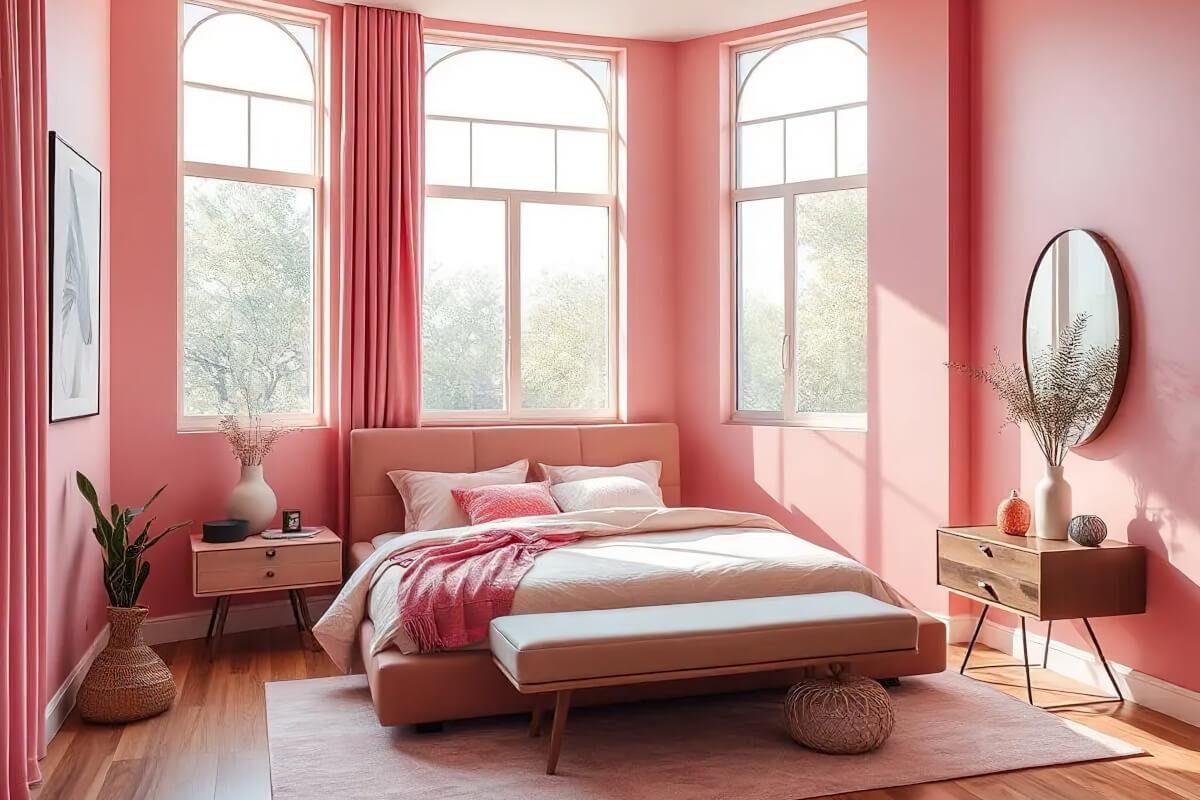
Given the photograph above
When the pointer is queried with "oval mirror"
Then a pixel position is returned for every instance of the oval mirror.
(1076, 325)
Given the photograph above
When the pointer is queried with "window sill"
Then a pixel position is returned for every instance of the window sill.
(831, 423)
(444, 422)
(209, 425)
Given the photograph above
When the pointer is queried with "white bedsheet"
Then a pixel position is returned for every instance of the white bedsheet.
(744, 555)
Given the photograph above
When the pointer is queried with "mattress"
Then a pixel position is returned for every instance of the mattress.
(658, 568)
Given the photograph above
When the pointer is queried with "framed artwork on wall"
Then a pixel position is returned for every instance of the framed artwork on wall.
(75, 197)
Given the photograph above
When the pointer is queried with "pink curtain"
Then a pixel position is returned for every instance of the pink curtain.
(23, 407)
(383, 189)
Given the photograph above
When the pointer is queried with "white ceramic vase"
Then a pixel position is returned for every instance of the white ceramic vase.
(253, 500)
(1052, 504)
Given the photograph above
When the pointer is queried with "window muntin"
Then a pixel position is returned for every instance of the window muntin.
(800, 177)
(520, 321)
(252, 224)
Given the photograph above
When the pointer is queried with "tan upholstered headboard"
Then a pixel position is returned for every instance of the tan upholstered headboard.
(375, 506)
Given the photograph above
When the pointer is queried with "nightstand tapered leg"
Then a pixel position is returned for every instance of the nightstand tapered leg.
(974, 636)
(222, 614)
(304, 619)
(1046, 652)
(1107, 669)
(295, 609)
(1025, 658)
(212, 620)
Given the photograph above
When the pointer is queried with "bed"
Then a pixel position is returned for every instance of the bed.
(416, 688)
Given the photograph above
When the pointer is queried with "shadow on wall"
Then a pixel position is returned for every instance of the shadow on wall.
(1153, 443)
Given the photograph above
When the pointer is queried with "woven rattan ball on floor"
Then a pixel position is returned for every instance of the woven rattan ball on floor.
(843, 714)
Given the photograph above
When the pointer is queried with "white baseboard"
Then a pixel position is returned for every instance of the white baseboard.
(174, 628)
(243, 617)
(58, 708)
(1083, 666)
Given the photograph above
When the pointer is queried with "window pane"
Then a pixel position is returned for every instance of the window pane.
(193, 14)
(582, 162)
(514, 87)
(564, 307)
(247, 52)
(804, 76)
(281, 135)
(760, 154)
(248, 298)
(810, 147)
(513, 157)
(760, 304)
(597, 69)
(447, 153)
(462, 320)
(831, 301)
(214, 127)
(852, 141)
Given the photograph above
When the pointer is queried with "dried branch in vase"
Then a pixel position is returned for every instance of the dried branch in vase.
(1065, 394)
(252, 441)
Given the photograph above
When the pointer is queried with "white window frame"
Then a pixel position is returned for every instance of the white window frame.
(316, 181)
(787, 192)
(513, 199)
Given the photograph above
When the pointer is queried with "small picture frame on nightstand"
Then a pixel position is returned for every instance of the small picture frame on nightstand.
(290, 520)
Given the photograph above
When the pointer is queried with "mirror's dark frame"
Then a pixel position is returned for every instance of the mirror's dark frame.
(1123, 325)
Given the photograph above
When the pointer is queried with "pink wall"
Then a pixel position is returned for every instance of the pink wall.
(77, 54)
(1084, 119)
(147, 449)
(876, 495)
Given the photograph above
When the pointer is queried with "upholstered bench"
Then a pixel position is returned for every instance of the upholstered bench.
(560, 652)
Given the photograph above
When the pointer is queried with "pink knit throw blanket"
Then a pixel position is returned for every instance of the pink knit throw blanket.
(450, 593)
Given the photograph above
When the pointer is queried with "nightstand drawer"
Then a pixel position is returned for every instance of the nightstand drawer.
(989, 556)
(266, 557)
(267, 576)
(989, 585)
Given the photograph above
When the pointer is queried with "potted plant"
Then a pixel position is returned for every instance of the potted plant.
(127, 681)
(1060, 396)
(252, 499)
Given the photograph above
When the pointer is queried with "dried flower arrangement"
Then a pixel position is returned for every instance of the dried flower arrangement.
(252, 441)
(1065, 394)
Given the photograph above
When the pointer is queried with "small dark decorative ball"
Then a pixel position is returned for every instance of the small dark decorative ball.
(1087, 530)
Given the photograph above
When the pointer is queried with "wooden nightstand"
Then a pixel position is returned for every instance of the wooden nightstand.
(264, 565)
(1043, 580)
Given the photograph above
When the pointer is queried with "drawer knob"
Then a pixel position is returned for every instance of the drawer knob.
(270, 573)
(987, 587)
(987, 551)
(271, 553)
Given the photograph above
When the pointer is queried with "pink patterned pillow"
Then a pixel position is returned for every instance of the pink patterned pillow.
(491, 503)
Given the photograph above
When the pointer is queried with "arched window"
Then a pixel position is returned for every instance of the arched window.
(252, 170)
(519, 308)
(800, 200)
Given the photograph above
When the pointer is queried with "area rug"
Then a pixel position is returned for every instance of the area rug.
(326, 743)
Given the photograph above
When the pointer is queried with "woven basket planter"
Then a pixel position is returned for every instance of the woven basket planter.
(127, 681)
(842, 715)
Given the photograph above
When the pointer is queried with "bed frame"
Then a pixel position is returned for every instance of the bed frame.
(431, 688)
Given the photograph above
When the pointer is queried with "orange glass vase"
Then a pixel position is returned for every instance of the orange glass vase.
(1013, 515)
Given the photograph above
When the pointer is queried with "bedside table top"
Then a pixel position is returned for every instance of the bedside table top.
(1032, 544)
(323, 536)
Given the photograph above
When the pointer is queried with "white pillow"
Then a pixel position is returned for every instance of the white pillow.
(612, 491)
(647, 472)
(428, 504)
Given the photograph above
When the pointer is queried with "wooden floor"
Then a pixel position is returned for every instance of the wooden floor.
(213, 743)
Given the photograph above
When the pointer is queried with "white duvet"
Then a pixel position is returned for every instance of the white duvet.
(630, 557)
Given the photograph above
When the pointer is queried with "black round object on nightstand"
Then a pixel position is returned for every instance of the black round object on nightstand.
(225, 531)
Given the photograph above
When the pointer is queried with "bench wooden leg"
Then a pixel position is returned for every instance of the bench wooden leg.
(535, 716)
(562, 704)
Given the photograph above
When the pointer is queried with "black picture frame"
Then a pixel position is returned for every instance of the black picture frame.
(289, 520)
(75, 272)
